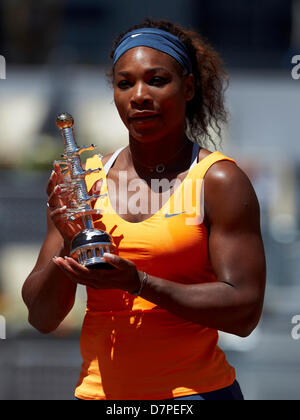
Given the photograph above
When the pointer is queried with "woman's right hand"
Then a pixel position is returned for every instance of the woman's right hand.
(59, 201)
(57, 205)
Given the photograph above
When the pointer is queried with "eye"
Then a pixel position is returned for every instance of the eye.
(124, 84)
(158, 81)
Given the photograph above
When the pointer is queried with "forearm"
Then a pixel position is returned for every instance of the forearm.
(49, 296)
(215, 305)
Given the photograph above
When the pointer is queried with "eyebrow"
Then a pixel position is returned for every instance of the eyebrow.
(151, 70)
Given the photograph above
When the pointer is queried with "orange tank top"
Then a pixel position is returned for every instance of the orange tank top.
(131, 348)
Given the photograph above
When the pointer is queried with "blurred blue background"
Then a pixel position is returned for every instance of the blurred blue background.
(57, 58)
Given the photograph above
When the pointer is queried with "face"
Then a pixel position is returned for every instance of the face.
(151, 94)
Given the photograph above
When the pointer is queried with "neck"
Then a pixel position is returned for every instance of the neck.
(170, 156)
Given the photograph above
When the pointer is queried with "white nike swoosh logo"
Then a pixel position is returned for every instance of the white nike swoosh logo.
(173, 215)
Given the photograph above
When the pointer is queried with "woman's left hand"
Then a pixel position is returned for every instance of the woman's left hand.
(125, 276)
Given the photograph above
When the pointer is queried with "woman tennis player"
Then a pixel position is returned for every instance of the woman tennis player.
(189, 258)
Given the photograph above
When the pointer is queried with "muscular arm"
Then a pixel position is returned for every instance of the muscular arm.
(48, 294)
(234, 303)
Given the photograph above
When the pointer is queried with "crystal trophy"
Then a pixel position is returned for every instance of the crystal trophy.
(89, 245)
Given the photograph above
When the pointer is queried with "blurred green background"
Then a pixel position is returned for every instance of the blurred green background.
(57, 59)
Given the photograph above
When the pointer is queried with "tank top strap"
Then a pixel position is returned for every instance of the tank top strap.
(196, 149)
(203, 166)
(112, 160)
(197, 169)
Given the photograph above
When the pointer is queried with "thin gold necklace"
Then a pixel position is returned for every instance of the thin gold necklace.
(161, 167)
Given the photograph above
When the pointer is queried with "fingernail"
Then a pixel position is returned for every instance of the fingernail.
(109, 256)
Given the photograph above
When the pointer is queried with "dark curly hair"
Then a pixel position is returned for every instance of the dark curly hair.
(206, 111)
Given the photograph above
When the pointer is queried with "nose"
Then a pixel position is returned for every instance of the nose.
(140, 95)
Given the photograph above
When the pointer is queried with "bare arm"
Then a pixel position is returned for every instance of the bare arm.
(48, 294)
(234, 303)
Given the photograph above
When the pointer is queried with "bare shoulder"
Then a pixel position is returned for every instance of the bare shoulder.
(104, 160)
(229, 194)
(224, 173)
(120, 158)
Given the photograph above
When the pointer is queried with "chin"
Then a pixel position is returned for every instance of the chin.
(146, 137)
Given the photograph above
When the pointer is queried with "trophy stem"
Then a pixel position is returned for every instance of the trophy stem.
(88, 222)
(69, 140)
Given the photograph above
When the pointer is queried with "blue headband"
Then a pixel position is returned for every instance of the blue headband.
(159, 40)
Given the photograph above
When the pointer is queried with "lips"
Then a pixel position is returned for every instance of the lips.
(143, 116)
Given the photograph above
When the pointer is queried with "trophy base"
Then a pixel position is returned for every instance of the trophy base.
(102, 266)
(89, 246)
(97, 264)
